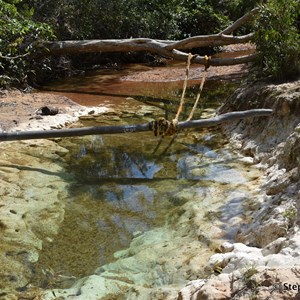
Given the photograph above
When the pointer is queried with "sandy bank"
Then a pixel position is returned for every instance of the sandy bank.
(21, 111)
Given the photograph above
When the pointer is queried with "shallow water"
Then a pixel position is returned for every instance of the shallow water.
(125, 185)
(106, 87)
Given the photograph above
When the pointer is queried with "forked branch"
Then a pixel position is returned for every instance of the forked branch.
(165, 48)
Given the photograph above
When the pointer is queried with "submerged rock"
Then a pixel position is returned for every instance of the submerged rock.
(32, 202)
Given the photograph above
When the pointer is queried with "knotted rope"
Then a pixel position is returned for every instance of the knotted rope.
(163, 127)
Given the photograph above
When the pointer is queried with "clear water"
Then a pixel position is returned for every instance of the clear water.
(125, 184)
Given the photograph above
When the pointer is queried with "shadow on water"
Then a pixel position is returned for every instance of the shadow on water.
(121, 187)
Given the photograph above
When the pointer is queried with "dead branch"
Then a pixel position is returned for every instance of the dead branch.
(45, 134)
(14, 57)
(209, 40)
(165, 48)
(241, 21)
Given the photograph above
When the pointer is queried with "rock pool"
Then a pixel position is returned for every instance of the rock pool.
(131, 216)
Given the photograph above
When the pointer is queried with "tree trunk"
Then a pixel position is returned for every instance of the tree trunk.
(165, 48)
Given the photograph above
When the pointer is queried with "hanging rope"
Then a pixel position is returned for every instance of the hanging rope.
(182, 100)
(206, 66)
(163, 127)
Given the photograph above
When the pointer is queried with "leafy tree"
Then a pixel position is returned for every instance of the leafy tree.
(24, 22)
(197, 17)
(278, 39)
(235, 9)
(18, 32)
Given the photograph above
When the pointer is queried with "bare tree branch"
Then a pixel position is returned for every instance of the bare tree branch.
(209, 40)
(45, 134)
(14, 57)
(241, 21)
(165, 48)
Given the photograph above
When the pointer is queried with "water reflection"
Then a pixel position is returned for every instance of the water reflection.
(122, 187)
(107, 87)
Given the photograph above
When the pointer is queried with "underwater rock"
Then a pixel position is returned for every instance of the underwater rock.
(31, 207)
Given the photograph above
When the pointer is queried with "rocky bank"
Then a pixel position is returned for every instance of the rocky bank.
(264, 262)
(33, 183)
(261, 262)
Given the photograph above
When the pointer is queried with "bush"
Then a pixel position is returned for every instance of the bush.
(278, 40)
(17, 33)
(199, 17)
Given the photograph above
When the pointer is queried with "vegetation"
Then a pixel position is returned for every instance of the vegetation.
(18, 33)
(23, 23)
(278, 39)
(118, 19)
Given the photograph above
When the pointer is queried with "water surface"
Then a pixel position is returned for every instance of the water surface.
(126, 184)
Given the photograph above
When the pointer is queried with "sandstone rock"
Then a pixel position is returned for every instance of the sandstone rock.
(31, 207)
(274, 247)
(227, 247)
(189, 291)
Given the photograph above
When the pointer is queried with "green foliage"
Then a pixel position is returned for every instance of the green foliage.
(99, 19)
(17, 33)
(291, 215)
(84, 19)
(199, 17)
(25, 22)
(278, 39)
(235, 9)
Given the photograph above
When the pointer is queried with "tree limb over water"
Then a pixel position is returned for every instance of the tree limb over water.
(96, 130)
(165, 48)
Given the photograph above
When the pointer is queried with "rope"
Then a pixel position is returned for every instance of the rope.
(190, 56)
(163, 127)
(206, 62)
(206, 66)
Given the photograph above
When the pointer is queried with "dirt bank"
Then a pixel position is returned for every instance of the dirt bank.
(21, 111)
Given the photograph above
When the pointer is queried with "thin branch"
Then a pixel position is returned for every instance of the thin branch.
(179, 55)
(241, 21)
(14, 57)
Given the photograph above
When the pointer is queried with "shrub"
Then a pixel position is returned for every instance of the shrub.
(199, 17)
(17, 33)
(278, 40)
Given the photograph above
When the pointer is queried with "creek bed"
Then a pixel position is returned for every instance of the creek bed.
(142, 215)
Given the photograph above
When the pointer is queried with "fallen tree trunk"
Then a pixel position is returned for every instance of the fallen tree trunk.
(45, 134)
(165, 48)
(155, 47)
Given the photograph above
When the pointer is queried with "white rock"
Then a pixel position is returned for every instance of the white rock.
(188, 292)
(247, 160)
(227, 247)
(274, 247)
